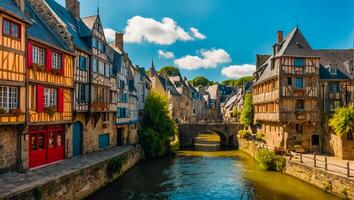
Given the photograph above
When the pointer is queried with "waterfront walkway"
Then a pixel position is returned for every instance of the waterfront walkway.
(12, 183)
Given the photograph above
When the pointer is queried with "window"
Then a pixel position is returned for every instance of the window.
(334, 87)
(11, 29)
(94, 43)
(8, 98)
(299, 62)
(38, 55)
(299, 83)
(350, 137)
(82, 63)
(298, 128)
(83, 93)
(56, 60)
(335, 104)
(50, 97)
(122, 113)
(103, 140)
(94, 64)
(121, 84)
(299, 105)
(333, 70)
(107, 69)
(290, 81)
(122, 98)
(100, 67)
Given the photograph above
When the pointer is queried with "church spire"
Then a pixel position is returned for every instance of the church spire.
(152, 71)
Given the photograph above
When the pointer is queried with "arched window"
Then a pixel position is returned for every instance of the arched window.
(315, 139)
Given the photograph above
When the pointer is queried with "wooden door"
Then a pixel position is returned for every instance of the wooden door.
(37, 148)
(77, 139)
(55, 151)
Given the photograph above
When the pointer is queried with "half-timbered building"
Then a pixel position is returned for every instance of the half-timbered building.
(13, 23)
(290, 85)
(50, 66)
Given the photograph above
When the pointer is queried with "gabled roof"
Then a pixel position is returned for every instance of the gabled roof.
(90, 21)
(213, 91)
(10, 7)
(294, 44)
(326, 75)
(40, 31)
(168, 85)
(76, 27)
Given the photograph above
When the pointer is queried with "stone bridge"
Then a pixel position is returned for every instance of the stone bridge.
(226, 131)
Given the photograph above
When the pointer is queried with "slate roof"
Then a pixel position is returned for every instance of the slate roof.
(167, 83)
(76, 27)
(294, 44)
(326, 75)
(9, 6)
(40, 31)
(213, 91)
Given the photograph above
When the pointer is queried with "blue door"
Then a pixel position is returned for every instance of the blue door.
(77, 139)
(103, 140)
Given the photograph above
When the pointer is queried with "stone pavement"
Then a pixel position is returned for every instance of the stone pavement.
(16, 182)
(334, 165)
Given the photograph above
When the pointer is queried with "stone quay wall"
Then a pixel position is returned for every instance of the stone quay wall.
(335, 184)
(81, 183)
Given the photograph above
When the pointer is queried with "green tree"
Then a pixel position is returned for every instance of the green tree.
(237, 82)
(200, 81)
(169, 71)
(342, 121)
(246, 114)
(158, 127)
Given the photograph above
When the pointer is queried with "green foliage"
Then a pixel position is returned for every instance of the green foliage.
(158, 127)
(342, 121)
(200, 81)
(269, 161)
(260, 137)
(345, 193)
(169, 71)
(246, 114)
(115, 165)
(245, 134)
(237, 82)
(327, 186)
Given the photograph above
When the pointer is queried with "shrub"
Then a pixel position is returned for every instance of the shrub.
(152, 143)
(247, 112)
(345, 193)
(327, 186)
(269, 161)
(115, 165)
(245, 134)
(260, 137)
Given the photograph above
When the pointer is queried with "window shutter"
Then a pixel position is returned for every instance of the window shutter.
(48, 57)
(87, 93)
(60, 100)
(29, 55)
(62, 64)
(40, 98)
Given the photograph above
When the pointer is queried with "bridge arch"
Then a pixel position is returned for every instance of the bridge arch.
(226, 131)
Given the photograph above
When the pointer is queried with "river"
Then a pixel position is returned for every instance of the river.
(228, 174)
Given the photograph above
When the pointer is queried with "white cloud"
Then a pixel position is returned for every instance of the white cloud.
(197, 34)
(237, 71)
(207, 59)
(110, 34)
(164, 32)
(166, 54)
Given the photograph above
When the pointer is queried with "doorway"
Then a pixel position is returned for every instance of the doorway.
(120, 136)
(77, 138)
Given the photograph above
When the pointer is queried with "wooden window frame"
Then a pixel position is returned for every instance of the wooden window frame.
(57, 59)
(9, 104)
(50, 97)
(37, 58)
(11, 23)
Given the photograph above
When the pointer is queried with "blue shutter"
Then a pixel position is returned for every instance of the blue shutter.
(103, 140)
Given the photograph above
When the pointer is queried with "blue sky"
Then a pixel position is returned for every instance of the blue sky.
(231, 32)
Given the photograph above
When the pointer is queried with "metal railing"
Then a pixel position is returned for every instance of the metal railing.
(322, 162)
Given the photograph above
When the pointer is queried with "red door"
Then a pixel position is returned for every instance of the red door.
(46, 145)
(56, 145)
(37, 148)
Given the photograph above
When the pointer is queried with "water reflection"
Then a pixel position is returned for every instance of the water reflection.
(207, 175)
(207, 142)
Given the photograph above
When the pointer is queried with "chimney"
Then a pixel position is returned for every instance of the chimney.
(119, 41)
(280, 36)
(20, 4)
(74, 7)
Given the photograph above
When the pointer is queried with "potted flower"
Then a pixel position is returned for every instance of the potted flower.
(16, 111)
(50, 111)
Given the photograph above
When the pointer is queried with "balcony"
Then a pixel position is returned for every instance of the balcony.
(266, 97)
(305, 70)
(121, 120)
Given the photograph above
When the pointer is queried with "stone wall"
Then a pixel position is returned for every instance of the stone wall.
(81, 183)
(321, 179)
(8, 148)
(338, 146)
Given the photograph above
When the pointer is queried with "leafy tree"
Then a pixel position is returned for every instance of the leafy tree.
(200, 81)
(246, 114)
(169, 71)
(343, 120)
(158, 127)
(237, 82)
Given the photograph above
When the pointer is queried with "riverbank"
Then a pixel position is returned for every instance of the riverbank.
(71, 179)
(338, 185)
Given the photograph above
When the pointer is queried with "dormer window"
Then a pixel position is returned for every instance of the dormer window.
(332, 70)
(299, 62)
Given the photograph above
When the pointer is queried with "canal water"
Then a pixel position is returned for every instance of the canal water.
(207, 174)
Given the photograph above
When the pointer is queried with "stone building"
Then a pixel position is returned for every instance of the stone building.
(215, 103)
(292, 92)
